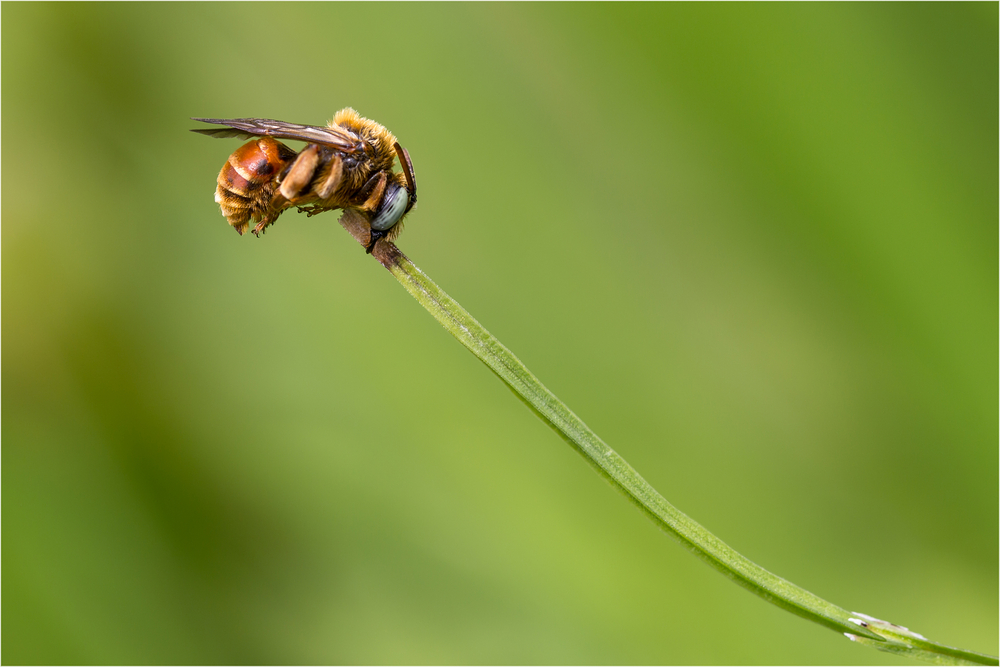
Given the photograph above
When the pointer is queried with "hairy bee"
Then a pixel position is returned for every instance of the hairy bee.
(346, 165)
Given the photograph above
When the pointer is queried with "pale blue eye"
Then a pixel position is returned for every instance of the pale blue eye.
(392, 210)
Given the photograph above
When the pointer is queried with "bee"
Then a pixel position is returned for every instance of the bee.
(346, 165)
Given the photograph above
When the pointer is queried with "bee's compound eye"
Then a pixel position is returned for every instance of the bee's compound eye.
(392, 209)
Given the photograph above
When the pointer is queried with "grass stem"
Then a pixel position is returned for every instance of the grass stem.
(609, 464)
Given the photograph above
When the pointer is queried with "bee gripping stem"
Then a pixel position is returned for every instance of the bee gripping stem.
(859, 628)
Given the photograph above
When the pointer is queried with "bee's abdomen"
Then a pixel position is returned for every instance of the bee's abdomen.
(248, 180)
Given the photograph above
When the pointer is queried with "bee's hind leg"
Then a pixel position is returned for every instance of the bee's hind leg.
(277, 204)
(262, 226)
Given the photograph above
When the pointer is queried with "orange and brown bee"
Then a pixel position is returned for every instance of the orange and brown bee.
(346, 165)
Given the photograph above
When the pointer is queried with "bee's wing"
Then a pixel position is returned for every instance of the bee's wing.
(245, 128)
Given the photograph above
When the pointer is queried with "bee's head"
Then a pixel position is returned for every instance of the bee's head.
(396, 202)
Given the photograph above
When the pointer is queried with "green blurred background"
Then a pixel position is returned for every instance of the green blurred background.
(753, 246)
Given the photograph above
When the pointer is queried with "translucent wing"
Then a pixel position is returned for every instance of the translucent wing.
(245, 128)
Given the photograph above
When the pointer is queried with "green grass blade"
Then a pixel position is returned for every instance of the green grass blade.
(610, 465)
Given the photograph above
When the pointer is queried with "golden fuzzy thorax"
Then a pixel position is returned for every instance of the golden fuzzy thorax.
(374, 133)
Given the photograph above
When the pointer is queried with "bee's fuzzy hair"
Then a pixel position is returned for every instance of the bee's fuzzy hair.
(370, 130)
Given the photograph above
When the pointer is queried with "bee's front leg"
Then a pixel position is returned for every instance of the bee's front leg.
(376, 235)
(377, 185)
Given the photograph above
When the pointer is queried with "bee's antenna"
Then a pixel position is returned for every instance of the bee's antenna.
(411, 181)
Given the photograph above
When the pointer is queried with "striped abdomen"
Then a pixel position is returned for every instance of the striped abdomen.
(248, 181)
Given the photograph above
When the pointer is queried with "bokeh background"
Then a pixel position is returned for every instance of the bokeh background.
(753, 246)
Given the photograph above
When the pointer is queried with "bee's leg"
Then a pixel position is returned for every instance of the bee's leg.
(371, 205)
(270, 213)
(301, 173)
(296, 181)
(313, 209)
(268, 219)
(376, 235)
(333, 179)
(375, 197)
